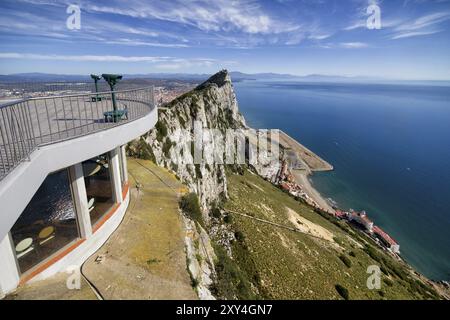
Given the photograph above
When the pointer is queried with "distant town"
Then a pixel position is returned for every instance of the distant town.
(165, 90)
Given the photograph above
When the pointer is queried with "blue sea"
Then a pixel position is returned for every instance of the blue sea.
(390, 147)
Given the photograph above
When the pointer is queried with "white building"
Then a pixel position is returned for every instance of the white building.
(63, 178)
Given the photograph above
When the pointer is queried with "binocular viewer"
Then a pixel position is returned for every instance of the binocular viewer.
(112, 79)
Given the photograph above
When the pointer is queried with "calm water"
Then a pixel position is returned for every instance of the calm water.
(390, 146)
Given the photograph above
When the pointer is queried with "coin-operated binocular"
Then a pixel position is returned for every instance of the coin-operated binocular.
(112, 80)
(96, 78)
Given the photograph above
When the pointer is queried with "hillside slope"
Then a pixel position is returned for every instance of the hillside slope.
(312, 264)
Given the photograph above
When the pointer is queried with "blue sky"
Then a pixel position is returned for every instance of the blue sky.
(285, 36)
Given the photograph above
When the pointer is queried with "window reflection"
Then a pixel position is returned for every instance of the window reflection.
(99, 190)
(48, 222)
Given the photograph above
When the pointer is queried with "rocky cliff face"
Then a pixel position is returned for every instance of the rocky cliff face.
(212, 105)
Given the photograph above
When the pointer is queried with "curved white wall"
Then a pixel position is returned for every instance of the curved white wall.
(17, 189)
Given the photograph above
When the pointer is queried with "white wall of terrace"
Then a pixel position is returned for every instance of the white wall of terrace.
(9, 275)
(76, 253)
(18, 187)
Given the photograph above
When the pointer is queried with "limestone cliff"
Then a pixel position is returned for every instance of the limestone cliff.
(214, 105)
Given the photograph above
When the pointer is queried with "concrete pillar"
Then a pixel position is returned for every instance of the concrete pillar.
(81, 201)
(115, 174)
(9, 275)
(124, 163)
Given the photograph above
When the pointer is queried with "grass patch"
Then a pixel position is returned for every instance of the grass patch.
(231, 282)
(153, 261)
(286, 265)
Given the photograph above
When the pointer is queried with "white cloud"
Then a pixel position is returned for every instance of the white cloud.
(356, 25)
(353, 45)
(133, 42)
(244, 15)
(319, 36)
(424, 25)
(413, 34)
(425, 21)
(106, 58)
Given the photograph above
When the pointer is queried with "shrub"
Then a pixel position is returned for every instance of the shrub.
(388, 282)
(345, 260)
(228, 219)
(142, 150)
(166, 147)
(161, 130)
(338, 241)
(239, 236)
(190, 205)
(198, 172)
(384, 270)
(343, 292)
(352, 254)
(215, 211)
(194, 283)
(231, 281)
(372, 252)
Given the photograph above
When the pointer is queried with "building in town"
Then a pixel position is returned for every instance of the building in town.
(362, 219)
(387, 240)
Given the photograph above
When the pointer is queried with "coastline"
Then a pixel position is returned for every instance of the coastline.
(302, 163)
(310, 163)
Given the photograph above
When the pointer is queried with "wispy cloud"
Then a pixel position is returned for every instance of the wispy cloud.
(413, 34)
(424, 25)
(353, 45)
(134, 42)
(103, 58)
(244, 15)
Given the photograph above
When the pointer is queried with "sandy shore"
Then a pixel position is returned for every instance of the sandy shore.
(312, 160)
(303, 163)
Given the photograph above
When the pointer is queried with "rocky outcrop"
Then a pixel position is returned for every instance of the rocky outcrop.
(212, 104)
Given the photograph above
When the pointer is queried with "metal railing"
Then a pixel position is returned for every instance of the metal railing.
(29, 123)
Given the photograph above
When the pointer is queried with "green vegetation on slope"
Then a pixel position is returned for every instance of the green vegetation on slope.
(282, 264)
(191, 207)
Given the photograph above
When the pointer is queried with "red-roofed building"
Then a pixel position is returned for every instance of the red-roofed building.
(390, 243)
(340, 214)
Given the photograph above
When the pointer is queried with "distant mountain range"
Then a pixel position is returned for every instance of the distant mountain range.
(235, 75)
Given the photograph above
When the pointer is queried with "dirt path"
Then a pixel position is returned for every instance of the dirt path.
(145, 257)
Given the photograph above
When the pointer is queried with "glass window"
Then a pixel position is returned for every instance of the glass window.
(121, 160)
(97, 179)
(47, 224)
